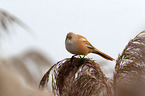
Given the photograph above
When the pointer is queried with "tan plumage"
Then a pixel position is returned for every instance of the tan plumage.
(78, 45)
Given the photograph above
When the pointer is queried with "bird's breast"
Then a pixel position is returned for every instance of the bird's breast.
(77, 48)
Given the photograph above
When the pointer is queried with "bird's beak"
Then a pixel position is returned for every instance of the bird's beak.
(67, 39)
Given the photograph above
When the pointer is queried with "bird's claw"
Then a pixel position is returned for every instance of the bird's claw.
(71, 59)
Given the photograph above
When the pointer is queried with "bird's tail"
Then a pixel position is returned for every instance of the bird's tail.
(96, 51)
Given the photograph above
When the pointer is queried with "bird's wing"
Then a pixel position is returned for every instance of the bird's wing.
(87, 43)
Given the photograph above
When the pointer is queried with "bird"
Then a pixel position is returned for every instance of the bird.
(79, 45)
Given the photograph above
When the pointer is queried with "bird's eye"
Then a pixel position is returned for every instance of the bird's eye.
(70, 38)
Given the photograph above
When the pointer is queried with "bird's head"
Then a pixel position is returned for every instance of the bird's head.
(70, 37)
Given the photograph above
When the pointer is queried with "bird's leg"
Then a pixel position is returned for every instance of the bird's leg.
(82, 58)
(71, 59)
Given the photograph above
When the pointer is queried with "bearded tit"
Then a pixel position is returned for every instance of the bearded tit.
(79, 45)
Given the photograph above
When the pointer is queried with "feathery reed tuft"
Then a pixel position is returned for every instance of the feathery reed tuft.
(129, 76)
(79, 78)
(7, 19)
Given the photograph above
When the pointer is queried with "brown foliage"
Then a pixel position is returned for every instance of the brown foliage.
(129, 76)
(20, 75)
(18, 79)
(79, 78)
(87, 79)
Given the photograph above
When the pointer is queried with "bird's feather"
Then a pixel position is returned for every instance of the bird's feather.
(90, 46)
(86, 42)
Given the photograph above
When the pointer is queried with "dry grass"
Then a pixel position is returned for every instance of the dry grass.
(87, 79)
(78, 79)
(16, 79)
(20, 75)
(129, 77)
(7, 20)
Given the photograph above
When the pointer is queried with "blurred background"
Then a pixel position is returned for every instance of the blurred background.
(107, 24)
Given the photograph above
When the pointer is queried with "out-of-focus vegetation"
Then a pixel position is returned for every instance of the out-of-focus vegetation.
(20, 75)
(7, 21)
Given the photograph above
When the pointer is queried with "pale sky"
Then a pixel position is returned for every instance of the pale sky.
(107, 24)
